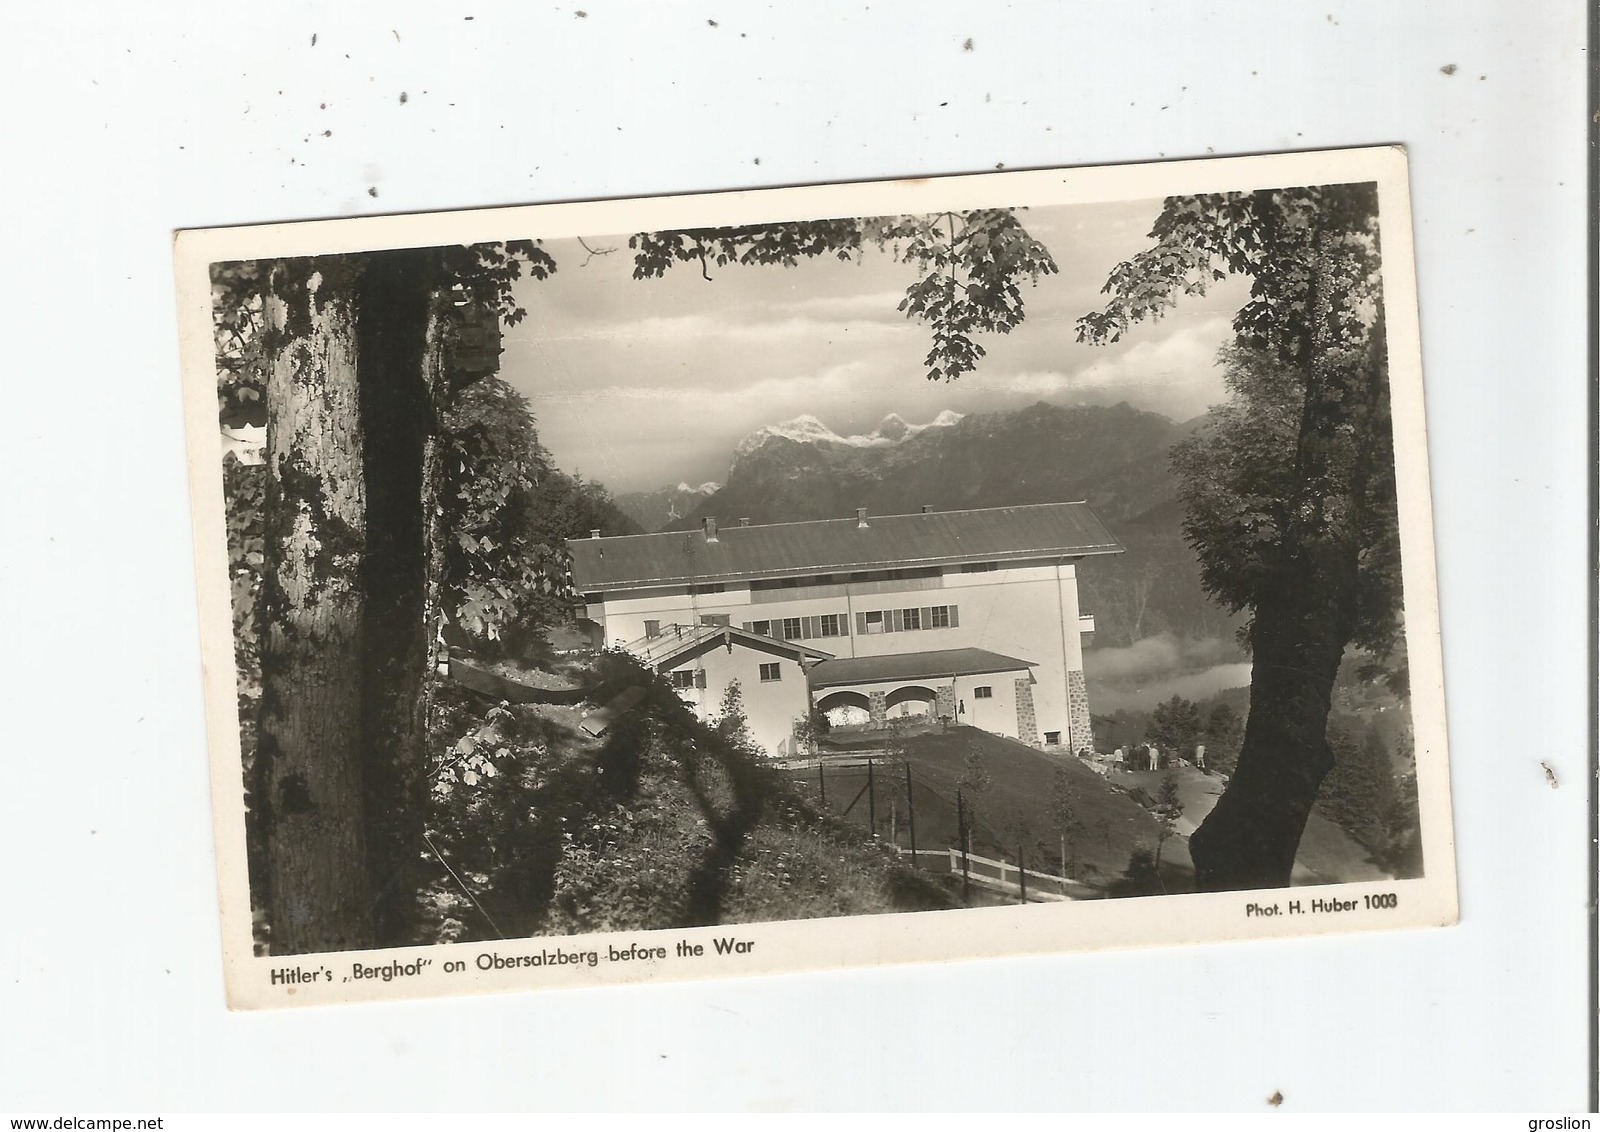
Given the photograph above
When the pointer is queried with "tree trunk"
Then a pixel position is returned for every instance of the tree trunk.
(1250, 839)
(395, 331)
(313, 614)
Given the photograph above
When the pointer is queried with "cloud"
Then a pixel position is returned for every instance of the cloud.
(1163, 655)
(1153, 670)
(1176, 374)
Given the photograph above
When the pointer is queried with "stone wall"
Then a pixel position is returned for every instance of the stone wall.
(878, 705)
(944, 701)
(1081, 734)
(1027, 722)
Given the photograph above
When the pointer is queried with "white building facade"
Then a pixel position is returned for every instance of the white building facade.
(970, 615)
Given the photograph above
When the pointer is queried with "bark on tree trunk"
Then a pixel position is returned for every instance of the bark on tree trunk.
(1250, 839)
(394, 331)
(314, 528)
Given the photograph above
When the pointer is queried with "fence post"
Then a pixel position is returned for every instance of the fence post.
(1022, 873)
(872, 803)
(822, 783)
(961, 836)
(911, 817)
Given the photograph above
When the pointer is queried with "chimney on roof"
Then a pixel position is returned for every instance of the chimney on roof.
(926, 509)
(709, 525)
(861, 518)
(744, 521)
(594, 532)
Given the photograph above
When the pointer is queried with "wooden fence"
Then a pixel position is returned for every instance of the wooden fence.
(1000, 876)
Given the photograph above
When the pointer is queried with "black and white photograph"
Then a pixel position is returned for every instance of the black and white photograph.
(693, 586)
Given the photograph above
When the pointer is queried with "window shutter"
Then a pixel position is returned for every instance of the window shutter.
(955, 620)
(926, 617)
(861, 624)
(745, 625)
(700, 678)
(806, 624)
(899, 621)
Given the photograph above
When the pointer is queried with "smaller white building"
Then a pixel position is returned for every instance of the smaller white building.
(702, 660)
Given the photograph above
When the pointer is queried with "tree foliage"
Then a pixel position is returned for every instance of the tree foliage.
(1065, 815)
(970, 267)
(1168, 809)
(1301, 452)
(1174, 725)
(508, 513)
(1224, 731)
(1240, 482)
(1359, 791)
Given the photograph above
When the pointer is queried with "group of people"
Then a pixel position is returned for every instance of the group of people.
(1149, 756)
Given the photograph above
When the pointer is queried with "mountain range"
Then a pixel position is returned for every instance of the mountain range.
(1115, 458)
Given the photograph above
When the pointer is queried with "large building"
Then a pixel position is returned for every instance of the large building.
(969, 615)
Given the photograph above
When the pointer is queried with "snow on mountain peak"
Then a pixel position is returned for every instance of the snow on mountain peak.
(807, 429)
(710, 487)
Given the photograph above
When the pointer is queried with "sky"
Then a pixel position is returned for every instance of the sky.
(643, 384)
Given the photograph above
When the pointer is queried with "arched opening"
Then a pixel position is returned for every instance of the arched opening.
(912, 700)
(845, 709)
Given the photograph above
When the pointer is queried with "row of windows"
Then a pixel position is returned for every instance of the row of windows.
(868, 622)
(801, 628)
(907, 620)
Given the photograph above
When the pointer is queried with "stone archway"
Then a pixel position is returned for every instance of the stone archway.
(912, 700)
(846, 709)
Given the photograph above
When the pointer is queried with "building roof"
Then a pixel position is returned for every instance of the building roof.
(673, 641)
(947, 663)
(777, 550)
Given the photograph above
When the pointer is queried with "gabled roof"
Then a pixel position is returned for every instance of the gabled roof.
(674, 641)
(777, 550)
(946, 663)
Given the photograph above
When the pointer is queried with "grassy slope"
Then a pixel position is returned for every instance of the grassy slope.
(1022, 782)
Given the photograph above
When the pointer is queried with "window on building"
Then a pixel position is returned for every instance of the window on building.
(1052, 738)
(763, 628)
(874, 621)
(830, 625)
(652, 628)
(983, 692)
(939, 617)
(708, 588)
(911, 618)
(791, 629)
(770, 672)
(683, 678)
(977, 567)
(713, 619)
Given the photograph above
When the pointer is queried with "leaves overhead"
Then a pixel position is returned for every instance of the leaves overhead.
(970, 267)
(1311, 253)
(1299, 460)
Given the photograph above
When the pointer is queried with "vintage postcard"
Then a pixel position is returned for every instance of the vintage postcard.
(751, 582)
